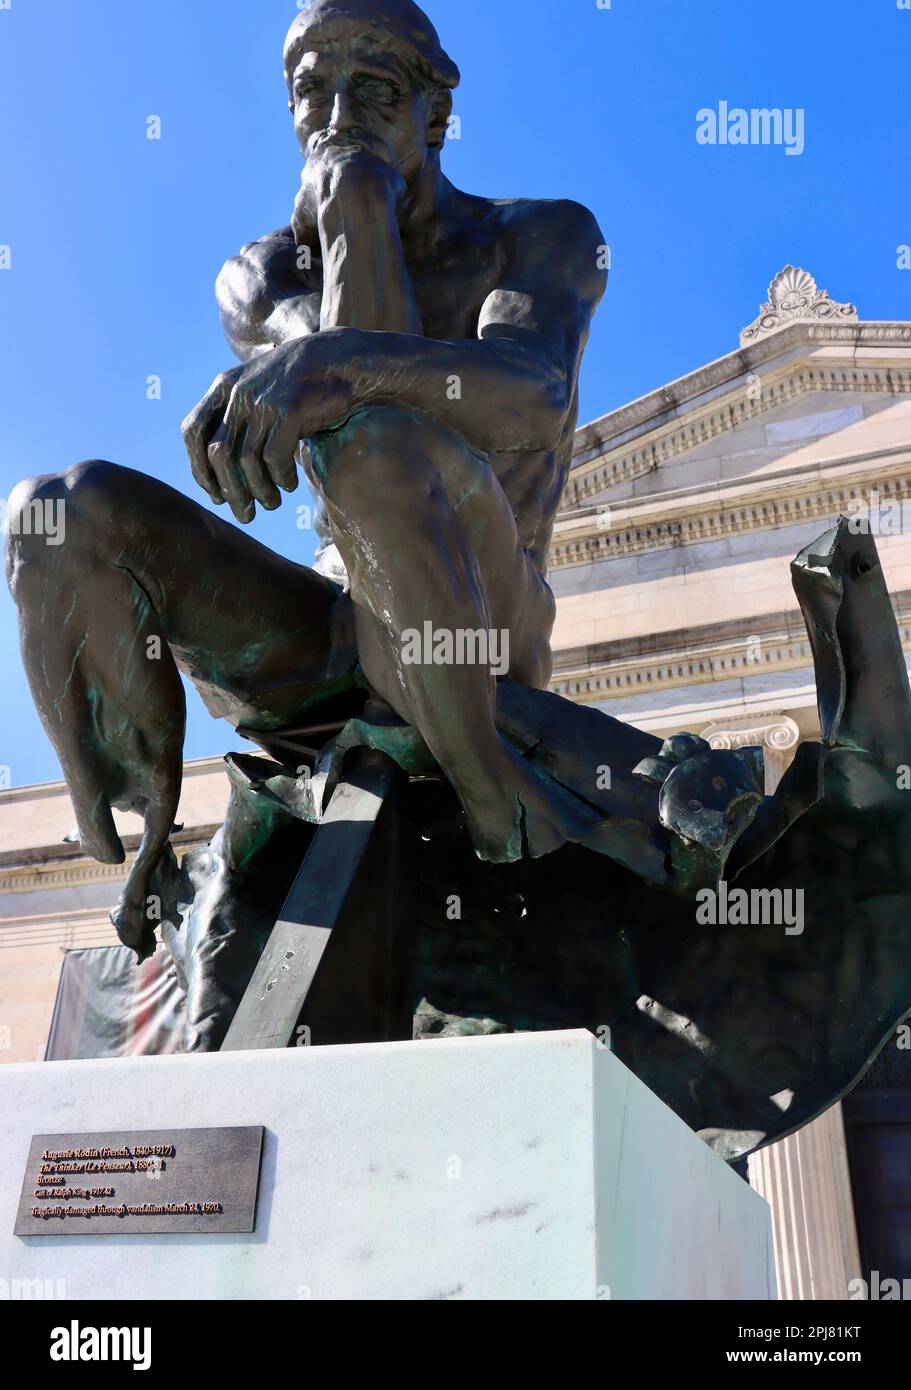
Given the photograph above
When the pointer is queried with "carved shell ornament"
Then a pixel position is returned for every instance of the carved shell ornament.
(793, 296)
(792, 290)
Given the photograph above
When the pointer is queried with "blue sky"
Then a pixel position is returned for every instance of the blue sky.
(115, 240)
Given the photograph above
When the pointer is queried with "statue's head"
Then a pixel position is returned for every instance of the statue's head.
(372, 72)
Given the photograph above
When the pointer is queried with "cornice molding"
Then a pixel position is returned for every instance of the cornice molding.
(688, 666)
(692, 516)
(26, 875)
(66, 853)
(79, 873)
(642, 436)
(715, 652)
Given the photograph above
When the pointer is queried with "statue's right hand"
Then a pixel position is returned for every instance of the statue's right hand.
(197, 430)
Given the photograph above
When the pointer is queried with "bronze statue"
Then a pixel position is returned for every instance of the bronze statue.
(415, 350)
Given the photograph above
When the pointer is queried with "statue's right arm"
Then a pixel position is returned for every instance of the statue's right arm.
(264, 300)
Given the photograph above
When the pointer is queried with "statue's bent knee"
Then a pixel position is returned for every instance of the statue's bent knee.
(379, 442)
(42, 512)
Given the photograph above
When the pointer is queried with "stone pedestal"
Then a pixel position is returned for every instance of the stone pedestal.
(523, 1166)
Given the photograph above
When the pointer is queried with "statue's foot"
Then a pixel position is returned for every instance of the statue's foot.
(134, 928)
(138, 769)
(150, 898)
(520, 811)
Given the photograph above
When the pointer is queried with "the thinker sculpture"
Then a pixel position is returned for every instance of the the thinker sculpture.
(416, 351)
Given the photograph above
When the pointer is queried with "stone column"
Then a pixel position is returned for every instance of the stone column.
(806, 1181)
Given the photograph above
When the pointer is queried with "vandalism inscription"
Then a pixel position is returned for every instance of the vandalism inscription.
(175, 1181)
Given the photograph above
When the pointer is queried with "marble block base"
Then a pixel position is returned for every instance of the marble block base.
(523, 1166)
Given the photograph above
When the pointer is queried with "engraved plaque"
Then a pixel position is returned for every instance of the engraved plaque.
(141, 1182)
